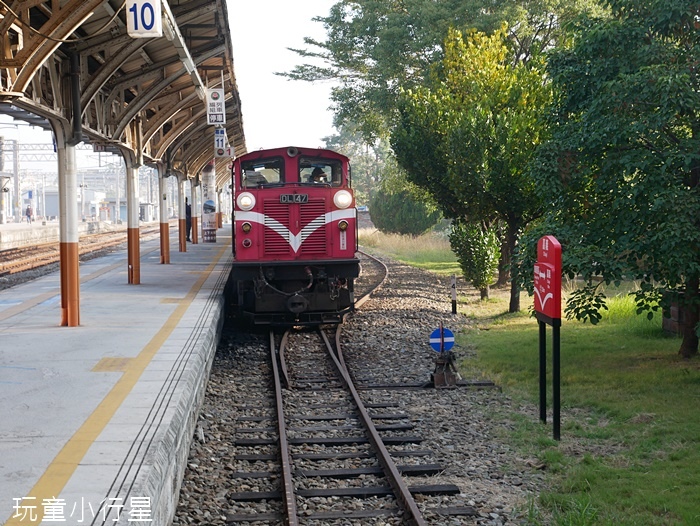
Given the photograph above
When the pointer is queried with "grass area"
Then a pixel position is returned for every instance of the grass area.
(630, 448)
(429, 251)
(630, 439)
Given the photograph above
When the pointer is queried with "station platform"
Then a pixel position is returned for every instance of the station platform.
(96, 420)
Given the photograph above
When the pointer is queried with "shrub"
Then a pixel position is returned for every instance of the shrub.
(477, 250)
(399, 212)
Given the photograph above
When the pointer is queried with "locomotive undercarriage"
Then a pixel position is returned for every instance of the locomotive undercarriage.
(291, 293)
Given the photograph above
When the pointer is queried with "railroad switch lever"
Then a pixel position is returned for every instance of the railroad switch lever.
(445, 373)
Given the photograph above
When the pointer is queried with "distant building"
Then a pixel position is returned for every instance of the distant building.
(108, 210)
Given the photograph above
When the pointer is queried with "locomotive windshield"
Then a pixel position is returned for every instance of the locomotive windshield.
(320, 171)
(262, 171)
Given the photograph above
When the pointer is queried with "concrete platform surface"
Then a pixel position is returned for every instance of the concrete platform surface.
(96, 420)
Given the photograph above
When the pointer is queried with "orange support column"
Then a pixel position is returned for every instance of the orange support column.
(183, 235)
(195, 230)
(220, 208)
(164, 243)
(134, 255)
(182, 215)
(70, 284)
(196, 210)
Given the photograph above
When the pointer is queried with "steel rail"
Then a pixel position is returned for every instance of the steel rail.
(281, 374)
(401, 491)
(364, 299)
(285, 457)
(283, 361)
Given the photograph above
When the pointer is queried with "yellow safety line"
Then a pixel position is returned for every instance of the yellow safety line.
(111, 364)
(67, 460)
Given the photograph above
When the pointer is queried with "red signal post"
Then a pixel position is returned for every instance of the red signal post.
(548, 280)
(548, 311)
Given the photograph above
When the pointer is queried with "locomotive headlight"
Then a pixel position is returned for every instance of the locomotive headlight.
(245, 201)
(246, 227)
(342, 199)
(343, 225)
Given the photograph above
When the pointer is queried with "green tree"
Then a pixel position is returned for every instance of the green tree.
(371, 162)
(622, 171)
(468, 137)
(402, 212)
(375, 47)
(476, 248)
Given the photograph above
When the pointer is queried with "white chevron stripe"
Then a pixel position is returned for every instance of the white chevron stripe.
(295, 240)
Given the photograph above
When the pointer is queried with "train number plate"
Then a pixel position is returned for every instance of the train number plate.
(294, 198)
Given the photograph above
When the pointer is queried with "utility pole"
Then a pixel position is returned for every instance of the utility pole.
(117, 210)
(3, 181)
(15, 169)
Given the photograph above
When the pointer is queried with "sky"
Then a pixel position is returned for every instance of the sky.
(277, 111)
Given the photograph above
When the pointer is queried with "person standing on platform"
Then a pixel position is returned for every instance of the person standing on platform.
(188, 219)
(28, 213)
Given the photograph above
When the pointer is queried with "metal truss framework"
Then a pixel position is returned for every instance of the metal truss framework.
(71, 64)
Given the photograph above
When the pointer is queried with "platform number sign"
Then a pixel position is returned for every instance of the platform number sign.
(220, 140)
(222, 148)
(144, 19)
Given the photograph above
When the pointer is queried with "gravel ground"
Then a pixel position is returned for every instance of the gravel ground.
(462, 426)
(385, 342)
(10, 280)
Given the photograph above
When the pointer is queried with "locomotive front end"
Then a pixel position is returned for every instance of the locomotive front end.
(295, 237)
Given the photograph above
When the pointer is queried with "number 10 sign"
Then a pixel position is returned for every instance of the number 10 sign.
(144, 19)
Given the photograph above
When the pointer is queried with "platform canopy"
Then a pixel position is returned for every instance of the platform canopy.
(71, 64)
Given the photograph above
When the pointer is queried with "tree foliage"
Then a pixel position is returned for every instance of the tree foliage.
(401, 212)
(372, 162)
(621, 174)
(468, 136)
(476, 246)
(375, 47)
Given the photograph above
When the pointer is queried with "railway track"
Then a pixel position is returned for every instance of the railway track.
(21, 259)
(325, 415)
(373, 274)
(310, 448)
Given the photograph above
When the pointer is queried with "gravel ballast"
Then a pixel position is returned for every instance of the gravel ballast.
(384, 343)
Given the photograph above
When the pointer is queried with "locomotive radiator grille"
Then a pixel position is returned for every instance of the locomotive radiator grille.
(280, 238)
(312, 215)
(276, 228)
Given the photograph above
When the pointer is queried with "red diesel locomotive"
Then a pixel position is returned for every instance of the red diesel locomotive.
(294, 237)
